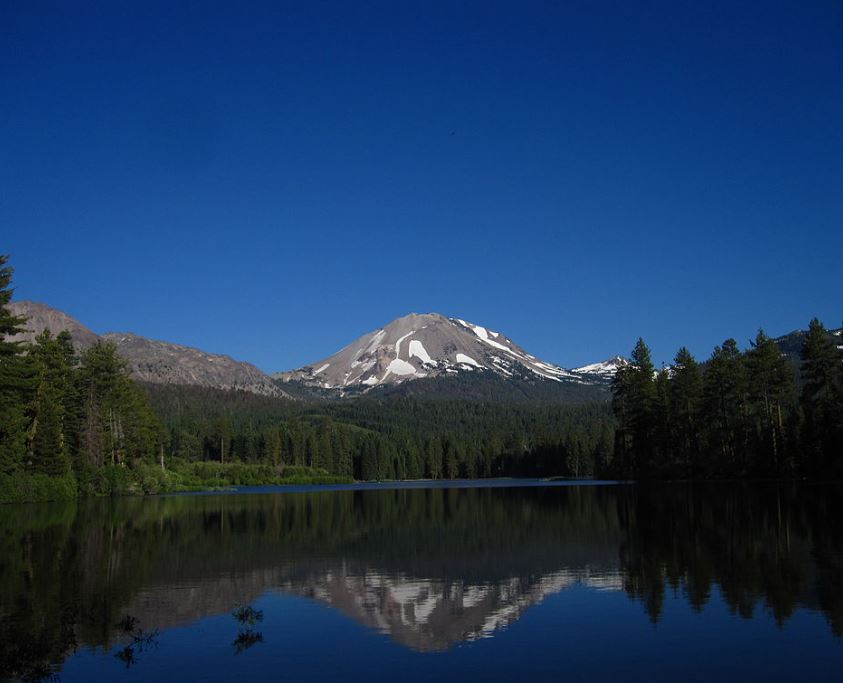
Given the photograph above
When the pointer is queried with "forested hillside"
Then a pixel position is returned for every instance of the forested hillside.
(390, 438)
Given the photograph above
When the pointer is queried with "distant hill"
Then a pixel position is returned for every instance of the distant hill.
(149, 360)
(791, 343)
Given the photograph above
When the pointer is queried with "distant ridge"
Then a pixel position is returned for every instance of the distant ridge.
(411, 356)
(149, 360)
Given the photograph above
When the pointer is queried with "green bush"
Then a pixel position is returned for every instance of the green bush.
(151, 479)
(23, 487)
(203, 475)
(148, 479)
(110, 480)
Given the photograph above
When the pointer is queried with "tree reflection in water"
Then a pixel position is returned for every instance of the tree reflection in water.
(429, 567)
(247, 616)
(139, 640)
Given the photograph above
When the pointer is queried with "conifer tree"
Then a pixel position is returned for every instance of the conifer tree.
(662, 441)
(686, 390)
(15, 380)
(50, 443)
(434, 458)
(642, 390)
(820, 372)
(724, 408)
(117, 423)
(820, 364)
(771, 392)
(621, 407)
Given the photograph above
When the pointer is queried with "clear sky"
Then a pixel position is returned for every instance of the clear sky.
(271, 180)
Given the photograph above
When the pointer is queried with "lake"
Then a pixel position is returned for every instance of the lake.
(496, 581)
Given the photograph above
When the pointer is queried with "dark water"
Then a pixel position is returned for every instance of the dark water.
(592, 582)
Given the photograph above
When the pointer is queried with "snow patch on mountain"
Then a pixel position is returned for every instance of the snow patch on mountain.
(399, 367)
(376, 339)
(483, 334)
(417, 350)
(398, 343)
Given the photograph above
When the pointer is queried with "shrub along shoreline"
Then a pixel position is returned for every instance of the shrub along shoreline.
(149, 480)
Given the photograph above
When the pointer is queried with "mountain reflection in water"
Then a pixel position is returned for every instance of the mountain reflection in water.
(430, 568)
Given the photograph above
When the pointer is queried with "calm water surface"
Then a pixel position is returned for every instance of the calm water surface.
(421, 583)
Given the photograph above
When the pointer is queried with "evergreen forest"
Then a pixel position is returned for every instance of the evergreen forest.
(78, 424)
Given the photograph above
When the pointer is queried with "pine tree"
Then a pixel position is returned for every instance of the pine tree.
(686, 391)
(50, 443)
(325, 454)
(819, 364)
(452, 467)
(820, 372)
(344, 460)
(724, 408)
(621, 407)
(16, 383)
(641, 390)
(433, 458)
(663, 439)
(770, 391)
(9, 323)
(117, 423)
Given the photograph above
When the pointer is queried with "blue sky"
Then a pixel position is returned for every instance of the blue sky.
(270, 180)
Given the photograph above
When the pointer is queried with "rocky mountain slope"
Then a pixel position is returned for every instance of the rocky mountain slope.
(431, 345)
(149, 360)
(42, 317)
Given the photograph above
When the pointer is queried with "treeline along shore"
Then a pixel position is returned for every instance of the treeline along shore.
(77, 424)
(740, 414)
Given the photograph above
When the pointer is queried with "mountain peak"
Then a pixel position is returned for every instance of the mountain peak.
(421, 345)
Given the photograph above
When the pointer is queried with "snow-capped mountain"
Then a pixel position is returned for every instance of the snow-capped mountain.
(431, 345)
(606, 368)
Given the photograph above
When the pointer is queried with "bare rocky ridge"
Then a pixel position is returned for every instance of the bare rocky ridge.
(161, 362)
(431, 345)
(149, 360)
(40, 317)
